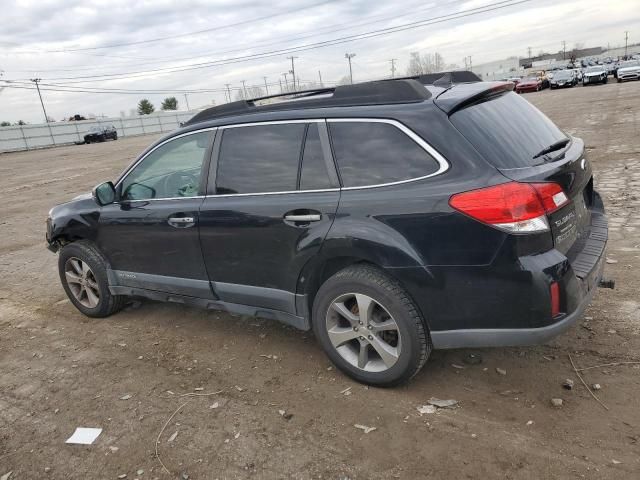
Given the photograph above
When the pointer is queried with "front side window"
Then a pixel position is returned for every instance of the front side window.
(373, 153)
(259, 158)
(171, 171)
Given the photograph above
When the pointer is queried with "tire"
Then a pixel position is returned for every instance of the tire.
(81, 254)
(408, 339)
(115, 136)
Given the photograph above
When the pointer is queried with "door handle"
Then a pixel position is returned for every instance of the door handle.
(312, 217)
(181, 222)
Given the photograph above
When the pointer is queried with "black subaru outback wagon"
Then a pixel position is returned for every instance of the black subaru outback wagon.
(390, 217)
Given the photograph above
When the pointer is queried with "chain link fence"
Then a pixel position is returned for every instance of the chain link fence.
(28, 137)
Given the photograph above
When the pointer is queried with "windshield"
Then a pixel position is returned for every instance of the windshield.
(95, 129)
(507, 130)
(630, 63)
(595, 69)
(531, 79)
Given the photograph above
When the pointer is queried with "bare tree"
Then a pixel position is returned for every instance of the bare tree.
(427, 63)
(252, 92)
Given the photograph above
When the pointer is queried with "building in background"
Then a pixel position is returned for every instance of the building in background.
(499, 69)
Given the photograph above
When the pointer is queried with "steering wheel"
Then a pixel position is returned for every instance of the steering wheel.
(181, 184)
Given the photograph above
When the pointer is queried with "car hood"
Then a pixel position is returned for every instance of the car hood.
(526, 84)
(628, 69)
(594, 74)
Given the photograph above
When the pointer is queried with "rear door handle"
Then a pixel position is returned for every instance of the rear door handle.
(181, 222)
(312, 217)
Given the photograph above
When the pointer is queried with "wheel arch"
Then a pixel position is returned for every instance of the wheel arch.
(320, 269)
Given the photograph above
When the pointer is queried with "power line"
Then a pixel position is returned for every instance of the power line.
(320, 31)
(197, 32)
(336, 41)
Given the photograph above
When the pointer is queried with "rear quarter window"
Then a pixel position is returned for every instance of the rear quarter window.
(507, 130)
(373, 153)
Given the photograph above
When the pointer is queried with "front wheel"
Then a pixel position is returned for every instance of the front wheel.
(369, 327)
(83, 273)
(115, 136)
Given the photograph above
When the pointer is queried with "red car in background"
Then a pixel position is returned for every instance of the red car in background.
(529, 84)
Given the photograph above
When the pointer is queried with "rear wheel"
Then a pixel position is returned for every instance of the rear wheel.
(369, 327)
(83, 273)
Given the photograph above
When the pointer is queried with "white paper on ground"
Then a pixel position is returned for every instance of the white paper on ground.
(84, 436)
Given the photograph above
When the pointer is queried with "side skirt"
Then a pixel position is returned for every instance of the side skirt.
(300, 323)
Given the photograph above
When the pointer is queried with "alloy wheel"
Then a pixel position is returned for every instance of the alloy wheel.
(82, 282)
(363, 332)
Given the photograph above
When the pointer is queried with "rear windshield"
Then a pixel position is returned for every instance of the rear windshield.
(507, 130)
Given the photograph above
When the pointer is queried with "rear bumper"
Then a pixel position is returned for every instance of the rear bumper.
(513, 337)
(508, 302)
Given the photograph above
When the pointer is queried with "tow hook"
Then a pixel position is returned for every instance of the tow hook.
(607, 283)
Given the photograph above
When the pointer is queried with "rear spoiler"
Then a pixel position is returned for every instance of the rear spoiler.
(462, 95)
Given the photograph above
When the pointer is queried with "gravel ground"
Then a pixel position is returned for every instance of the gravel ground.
(128, 374)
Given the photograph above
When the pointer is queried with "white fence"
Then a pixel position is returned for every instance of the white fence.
(28, 137)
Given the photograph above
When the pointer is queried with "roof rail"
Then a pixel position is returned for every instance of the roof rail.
(369, 93)
(444, 78)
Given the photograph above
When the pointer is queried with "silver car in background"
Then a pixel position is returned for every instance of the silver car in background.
(629, 70)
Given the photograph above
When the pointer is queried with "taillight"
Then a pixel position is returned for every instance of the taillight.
(513, 207)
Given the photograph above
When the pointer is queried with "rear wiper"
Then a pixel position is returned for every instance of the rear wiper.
(553, 147)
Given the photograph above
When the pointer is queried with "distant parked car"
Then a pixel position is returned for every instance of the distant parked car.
(529, 84)
(101, 133)
(629, 70)
(594, 74)
(563, 78)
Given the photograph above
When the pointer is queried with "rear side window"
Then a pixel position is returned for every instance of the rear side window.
(372, 153)
(314, 174)
(259, 159)
(507, 130)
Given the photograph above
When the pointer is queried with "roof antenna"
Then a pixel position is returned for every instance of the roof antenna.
(445, 81)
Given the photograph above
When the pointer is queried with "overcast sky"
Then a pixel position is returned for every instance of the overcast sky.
(74, 42)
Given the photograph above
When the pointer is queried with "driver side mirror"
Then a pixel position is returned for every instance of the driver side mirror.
(104, 194)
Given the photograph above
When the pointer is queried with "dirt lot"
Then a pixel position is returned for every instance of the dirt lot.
(60, 370)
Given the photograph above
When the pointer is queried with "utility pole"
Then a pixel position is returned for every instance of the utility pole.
(293, 71)
(466, 63)
(266, 87)
(529, 51)
(228, 91)
(626, 39)
(320, 77)
(244, 89)
(564, 50)
(470, 63)
(349, 56)
(186, 99)
(286, 83)
(36, 80)
(280, 81)
(393, 67)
